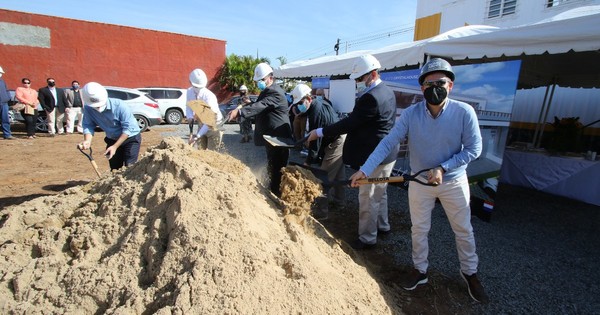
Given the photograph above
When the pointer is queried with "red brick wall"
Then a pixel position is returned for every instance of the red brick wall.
(108, 54)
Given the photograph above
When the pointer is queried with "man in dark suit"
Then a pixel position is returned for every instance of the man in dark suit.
(53, 101)
(371, 120)
(271, 118)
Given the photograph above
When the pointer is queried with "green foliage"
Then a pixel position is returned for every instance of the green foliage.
(238, 70)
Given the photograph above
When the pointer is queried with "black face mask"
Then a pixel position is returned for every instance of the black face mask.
(51, 83)
(435, 95)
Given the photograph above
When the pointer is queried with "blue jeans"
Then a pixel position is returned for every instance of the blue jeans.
(5, 121)
(126, 154)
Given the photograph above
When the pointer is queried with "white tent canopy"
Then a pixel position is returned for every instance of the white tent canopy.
(572, 31)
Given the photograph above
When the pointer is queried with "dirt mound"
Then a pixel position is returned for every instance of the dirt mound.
(182, 231)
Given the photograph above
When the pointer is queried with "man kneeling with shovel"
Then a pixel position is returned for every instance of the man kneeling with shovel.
(123, 137)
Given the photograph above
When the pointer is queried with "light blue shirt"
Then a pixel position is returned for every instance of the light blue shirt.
(452, 139)
(115, 120)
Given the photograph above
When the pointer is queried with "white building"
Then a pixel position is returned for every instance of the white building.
(435, 17)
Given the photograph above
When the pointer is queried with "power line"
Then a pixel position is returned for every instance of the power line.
(328, 49)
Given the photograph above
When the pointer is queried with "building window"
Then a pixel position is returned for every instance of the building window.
(499, 8)
(554, 3)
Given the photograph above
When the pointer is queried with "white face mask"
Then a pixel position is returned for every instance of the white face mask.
(196, 89)
(1, 75)
(100, 109)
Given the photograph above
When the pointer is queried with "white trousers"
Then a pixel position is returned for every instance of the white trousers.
(51, 121)
(74, 113)
(373, 206)
(454, 196)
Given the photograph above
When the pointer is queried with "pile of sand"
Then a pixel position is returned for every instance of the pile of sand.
(182, 231)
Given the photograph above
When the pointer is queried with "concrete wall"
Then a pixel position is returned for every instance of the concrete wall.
(39, 46)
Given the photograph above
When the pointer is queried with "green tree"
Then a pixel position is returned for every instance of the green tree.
(238, 70)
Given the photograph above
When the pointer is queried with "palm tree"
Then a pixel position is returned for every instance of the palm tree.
(238, 70)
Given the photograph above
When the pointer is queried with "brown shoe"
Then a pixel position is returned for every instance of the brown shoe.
(476, 290)
(413, 279)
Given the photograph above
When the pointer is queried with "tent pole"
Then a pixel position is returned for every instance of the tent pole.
(546, 115)
(539, 120)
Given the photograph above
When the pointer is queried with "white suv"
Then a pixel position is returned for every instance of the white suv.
(171, 102)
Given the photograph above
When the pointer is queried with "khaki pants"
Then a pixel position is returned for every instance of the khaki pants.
(74, 113)
(211, 140)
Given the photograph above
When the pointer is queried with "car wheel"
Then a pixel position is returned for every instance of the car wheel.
(142, 122)
(41, 123)
(173, 117)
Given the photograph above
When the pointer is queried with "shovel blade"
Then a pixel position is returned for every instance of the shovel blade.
(279, 141)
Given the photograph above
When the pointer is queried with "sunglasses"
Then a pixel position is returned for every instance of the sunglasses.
(26, 82)
(440, 82)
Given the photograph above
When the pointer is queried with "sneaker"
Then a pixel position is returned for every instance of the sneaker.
(10, 138)
(359, 245)
(414, 279)
(476, 290)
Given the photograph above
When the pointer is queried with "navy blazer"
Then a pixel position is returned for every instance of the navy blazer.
(372, 118)
(47, 99)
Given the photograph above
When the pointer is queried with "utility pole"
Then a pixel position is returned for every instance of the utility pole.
(336, 47)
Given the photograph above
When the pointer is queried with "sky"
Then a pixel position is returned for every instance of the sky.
(295, 30)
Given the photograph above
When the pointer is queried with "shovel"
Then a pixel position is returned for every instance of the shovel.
(283, 142)
(89, 156)
(321, 175)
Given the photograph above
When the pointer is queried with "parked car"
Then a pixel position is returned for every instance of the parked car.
(171, 102)
(143, 106)
(231, 104)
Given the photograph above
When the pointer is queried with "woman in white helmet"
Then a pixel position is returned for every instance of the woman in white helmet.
(122, 132)
(271, 113)
(208, 137)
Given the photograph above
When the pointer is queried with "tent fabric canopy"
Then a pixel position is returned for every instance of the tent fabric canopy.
(562, 50)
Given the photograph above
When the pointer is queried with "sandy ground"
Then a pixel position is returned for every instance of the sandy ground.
(538, 254)
(181, 232)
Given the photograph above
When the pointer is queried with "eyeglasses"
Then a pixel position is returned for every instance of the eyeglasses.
(362, 77)
(26, 82)
(435, 83)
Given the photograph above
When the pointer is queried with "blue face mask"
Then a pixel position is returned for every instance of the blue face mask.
(302, 108)
(320, 98)
(261, 85)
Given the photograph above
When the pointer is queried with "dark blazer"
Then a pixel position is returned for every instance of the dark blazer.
(47, 99)
(270, 112)
(372, 118)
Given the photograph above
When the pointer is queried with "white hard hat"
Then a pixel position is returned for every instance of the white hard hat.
(1, 70)
(364, 64)
(243, 88)
(198, 78)
(299, 92)
(262, 70)
(94, 95)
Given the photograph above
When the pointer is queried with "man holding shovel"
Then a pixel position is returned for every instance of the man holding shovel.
(122, 131)
(443, 134)
(321, 114)
(372, 118)
(271, 118)
(203, 107)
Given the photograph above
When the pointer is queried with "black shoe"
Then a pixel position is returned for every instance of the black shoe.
(320, 215)
(413, 279)
(359, 245)
(476, 290)
(383, 233)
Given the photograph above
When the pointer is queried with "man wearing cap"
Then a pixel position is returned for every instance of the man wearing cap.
(4, 98)
(122, 132)
(245, 123)
(271, 118)
(444, 136)
(372, 118)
